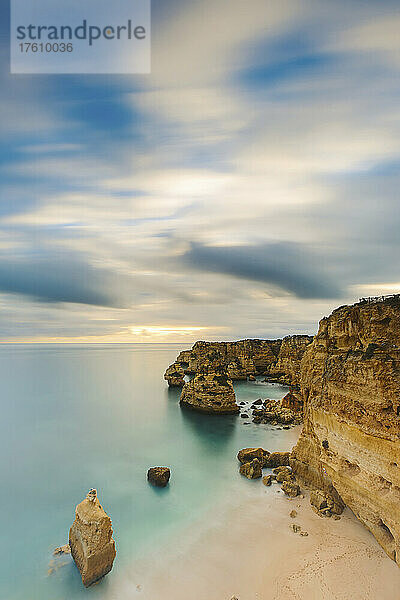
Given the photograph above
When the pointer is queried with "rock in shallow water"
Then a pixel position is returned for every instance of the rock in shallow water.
(159, 476)
(251, 470)
(248, 454)
(277, 459)
(90, 539)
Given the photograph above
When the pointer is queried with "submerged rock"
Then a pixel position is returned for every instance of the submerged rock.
(251, 470)
(159, 476)
(211, 393)
(90, 539)
(62, 550)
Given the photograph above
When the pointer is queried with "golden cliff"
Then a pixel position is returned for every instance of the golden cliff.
(350, 443)
(287, 367)
(277, 359)
(240, 359)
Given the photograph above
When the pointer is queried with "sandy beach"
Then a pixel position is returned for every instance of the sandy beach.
(249, 551)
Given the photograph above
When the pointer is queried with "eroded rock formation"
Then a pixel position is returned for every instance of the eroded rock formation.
(350, 442)
(278, 359)
(159, 476)
(90, 539)
(211, 393)
(238, 359)
(271, 411)
(175, 375)
(286, 369)
(251, 470)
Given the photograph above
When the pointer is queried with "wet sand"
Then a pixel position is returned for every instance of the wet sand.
(248, 550)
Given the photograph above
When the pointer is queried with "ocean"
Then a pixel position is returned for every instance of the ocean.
(81, 416)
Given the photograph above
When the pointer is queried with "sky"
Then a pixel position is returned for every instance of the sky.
(245, 188)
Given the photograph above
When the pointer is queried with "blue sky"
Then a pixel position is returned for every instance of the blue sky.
(243, 189)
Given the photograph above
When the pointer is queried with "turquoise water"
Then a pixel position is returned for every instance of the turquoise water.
(76, 417)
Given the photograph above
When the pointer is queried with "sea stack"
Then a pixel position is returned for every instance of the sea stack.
(91, 541)
(210, 393)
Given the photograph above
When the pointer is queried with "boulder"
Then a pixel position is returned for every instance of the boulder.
(248, 454)
(210, 393)
(325, 503)
(277, 470)
(277, 459)
(175, 375)
(271, 411)
(291, 489)
(284, 474)
(251, 470)
(267, 479)
(90, 539)
(159, 476)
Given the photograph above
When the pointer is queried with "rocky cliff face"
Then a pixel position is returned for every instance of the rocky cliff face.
(90, 539)
(350, 443)
(211, 393)
(287, 367)
(242, 358)
(175, 375)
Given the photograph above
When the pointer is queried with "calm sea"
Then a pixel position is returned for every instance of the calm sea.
(82, 416)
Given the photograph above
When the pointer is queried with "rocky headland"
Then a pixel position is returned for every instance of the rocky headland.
(345, 382)
(277, 359)
(350, 442)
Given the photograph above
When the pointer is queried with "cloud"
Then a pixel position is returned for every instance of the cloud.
(58, 278)
(267, 137)
(291, 267)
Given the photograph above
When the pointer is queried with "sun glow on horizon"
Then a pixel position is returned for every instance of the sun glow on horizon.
(133, 334)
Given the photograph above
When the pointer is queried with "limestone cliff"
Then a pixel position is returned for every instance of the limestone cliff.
(90, 539)
(238, 359)
(175, 375)
(278, 359)
(350, 443)
(211, 393)
(287, 367)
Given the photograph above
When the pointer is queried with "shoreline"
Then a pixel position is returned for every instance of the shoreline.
(247, 550)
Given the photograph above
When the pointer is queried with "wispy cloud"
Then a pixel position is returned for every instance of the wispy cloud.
(257, 167)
